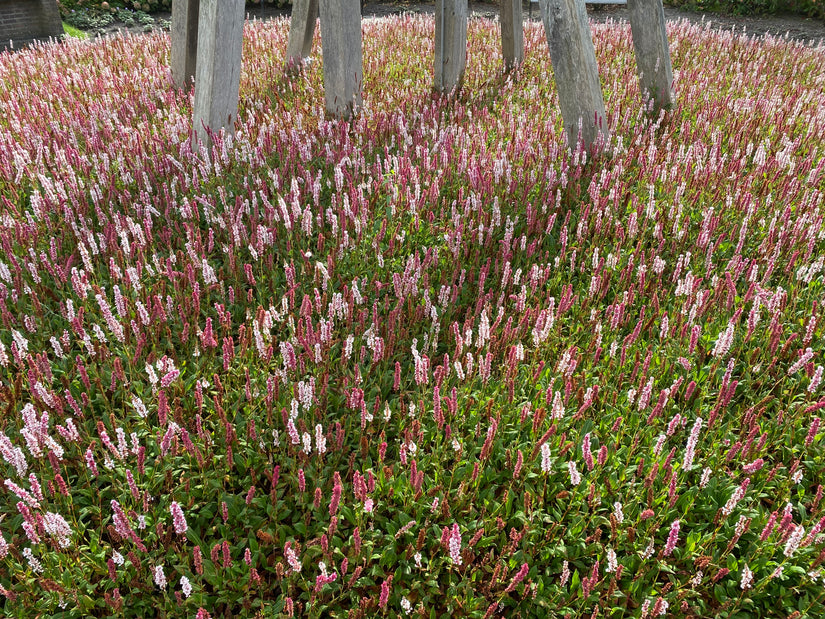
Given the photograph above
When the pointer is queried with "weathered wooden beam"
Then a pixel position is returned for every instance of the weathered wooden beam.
(301, 30)
(576, 72)
(342, 53)
(218, 74)
(184, 33)
(512, 33)
(450, 43)
(647, 23)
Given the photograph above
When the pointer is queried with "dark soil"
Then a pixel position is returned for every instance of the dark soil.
(803, 29)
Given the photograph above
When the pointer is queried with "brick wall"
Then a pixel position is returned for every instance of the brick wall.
(24, 21)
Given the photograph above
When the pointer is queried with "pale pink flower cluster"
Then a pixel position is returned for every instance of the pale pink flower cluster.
(737, 496)
(324, 577)
(57, 527)
(747, 578)
(816, 379)
(672, 538)
(586, 454)
(34, 562)
(320, 439)
(690, 449)
(794, 539)
(178, 519)
(545, 458)
(801, 362)
(753, 467)
(565, 573)
(575, 476)
(27, 497)
(292, 558)
(185, 586)
(455, 545)
(159, 577)
(13, 455)
(612, 561)
(723, 342)
(644, 396)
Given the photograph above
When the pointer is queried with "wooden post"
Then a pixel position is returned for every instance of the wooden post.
(218, 74)
(184, 41)
(647, 23)
(450, 43)
(343, 60)
(301, 30)
(512, 33)
(576, 72)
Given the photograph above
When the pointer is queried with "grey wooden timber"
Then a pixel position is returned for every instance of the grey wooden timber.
(647, 23)
(301, 30)
(512, 33)
(576, 72)
(342, 53)
(450, 44)
(218, 73)
(184, 56)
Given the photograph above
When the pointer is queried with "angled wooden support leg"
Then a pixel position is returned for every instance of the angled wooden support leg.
(512, 33)
(450, 43)
(647, 23)
(301, 30)
(218, 75)
(576, 72)
(184, 32)
(343, 60)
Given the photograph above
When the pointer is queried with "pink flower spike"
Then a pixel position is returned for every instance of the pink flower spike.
(518, 578)
(672, 539)
(455, 545)
(178, 519)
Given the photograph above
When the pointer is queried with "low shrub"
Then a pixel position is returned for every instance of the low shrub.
(88, 20)
(67, 6)
(147, 6)
(810, 8)
(133, 18)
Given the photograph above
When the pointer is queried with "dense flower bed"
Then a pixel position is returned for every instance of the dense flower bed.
(426, 363)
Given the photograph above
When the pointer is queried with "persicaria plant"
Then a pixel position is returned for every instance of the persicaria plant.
(425, 363)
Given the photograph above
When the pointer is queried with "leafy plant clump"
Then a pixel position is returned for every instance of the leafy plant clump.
(146, 6)
(90, 19)
(66, 6)
(425, 363)
(85, 19)
(810, 8)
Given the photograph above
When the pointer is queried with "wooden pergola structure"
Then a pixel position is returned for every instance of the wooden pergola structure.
(207, 40)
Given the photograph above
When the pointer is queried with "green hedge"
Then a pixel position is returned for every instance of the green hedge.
(810, 8)
(147, 6)
(67, 6)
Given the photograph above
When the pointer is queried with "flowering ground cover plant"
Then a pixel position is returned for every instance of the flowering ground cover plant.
(427, 363)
